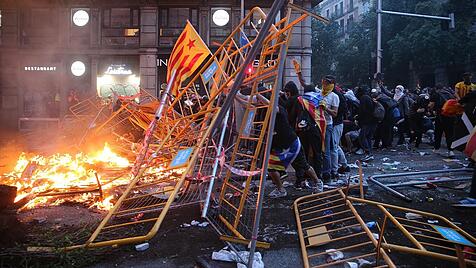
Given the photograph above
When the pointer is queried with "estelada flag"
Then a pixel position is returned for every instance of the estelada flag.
(311, 103)
(188, 54)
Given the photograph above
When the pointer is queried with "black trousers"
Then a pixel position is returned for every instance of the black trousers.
(312, 145)
(444, 124)
(384, 133)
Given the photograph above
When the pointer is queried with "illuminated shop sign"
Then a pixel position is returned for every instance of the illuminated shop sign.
(78, 68)
(220, 17)
(118, 69)
(40, 68)
(80, 18)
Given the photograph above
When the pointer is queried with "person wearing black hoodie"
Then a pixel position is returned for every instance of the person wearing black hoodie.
(305, 128)
(384, 130)
(366, 121)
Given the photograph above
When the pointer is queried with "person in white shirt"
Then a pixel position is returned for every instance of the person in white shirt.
(331, 104)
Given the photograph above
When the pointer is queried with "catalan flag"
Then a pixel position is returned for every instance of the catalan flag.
(188, 54)
(310, 102)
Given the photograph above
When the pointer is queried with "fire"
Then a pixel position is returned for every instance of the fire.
(54, 179)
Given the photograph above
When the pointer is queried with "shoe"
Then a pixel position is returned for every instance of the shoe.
(302, 185)
(319, 187)
(326, 177)
(436, 151)
(284, 176)
(343, 169)
(334, 176)
(368, 157)
(276, 193)
(451, 154)
(359, 152)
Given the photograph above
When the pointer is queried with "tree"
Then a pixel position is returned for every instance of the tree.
(324, 49)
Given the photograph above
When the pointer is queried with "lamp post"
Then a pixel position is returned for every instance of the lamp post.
(450, 19)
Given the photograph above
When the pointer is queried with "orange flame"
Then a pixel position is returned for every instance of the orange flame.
(37, 174)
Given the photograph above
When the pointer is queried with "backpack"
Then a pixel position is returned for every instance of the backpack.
(396, 113)
(379, 111)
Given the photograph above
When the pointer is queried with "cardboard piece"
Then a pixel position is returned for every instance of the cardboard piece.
(319, 236)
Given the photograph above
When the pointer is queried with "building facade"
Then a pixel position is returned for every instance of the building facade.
(344, 12)
(50, 49)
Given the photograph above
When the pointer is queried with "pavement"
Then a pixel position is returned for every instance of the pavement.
(176, 246)
(181, 247)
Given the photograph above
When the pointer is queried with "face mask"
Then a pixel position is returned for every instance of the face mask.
(326, 88)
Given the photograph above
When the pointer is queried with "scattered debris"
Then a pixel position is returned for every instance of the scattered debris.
(204, 224)
(334, 255)
(413, 216)
(449, 160)
(350, 264)
(385, 159)
(394, 163)
(238, 257)
(142, 247)
(376, 236)
(423, 153)
(432, 221)
(195, 223)
(352, 165)
(364, 263)
(429, 199)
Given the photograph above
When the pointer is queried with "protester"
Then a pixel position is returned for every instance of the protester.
(305, 125)
(286, 149)
(366, 121)
(417, 113)
(338, 128)
(403, 103)
(443, 124)
(384, 132)
(331, 105)
(462, 88)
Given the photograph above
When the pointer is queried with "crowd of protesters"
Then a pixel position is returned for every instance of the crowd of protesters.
(329, 120)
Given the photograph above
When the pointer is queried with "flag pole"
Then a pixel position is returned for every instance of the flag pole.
(150, 130)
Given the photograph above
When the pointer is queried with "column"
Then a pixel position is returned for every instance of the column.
(299, 47)
(148, 49)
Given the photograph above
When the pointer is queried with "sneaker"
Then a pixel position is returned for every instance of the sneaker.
(343, 169)
(359, 152)
(436, 151)
(368, 157)
(283, 175)
(326, 177)
(276, 193)
(451, 154)
(319, 187)
(306, 185)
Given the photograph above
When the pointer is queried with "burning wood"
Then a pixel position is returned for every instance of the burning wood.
(51, 180)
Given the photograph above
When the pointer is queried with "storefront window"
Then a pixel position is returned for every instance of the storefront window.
(120, 27)
(172, 22)
(39, 27)
(118, 76)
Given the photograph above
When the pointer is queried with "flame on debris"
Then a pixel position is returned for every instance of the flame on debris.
(45, 178)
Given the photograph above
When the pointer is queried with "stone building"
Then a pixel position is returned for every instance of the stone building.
(51, 48)
(344, 12)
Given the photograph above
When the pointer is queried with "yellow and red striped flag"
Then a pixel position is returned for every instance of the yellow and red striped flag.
(188, 54)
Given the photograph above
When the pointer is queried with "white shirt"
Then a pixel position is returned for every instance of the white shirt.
(332, 102)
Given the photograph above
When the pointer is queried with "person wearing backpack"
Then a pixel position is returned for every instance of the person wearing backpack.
(417, 114)
(384, 132)
(367, 119)
(443, 124)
